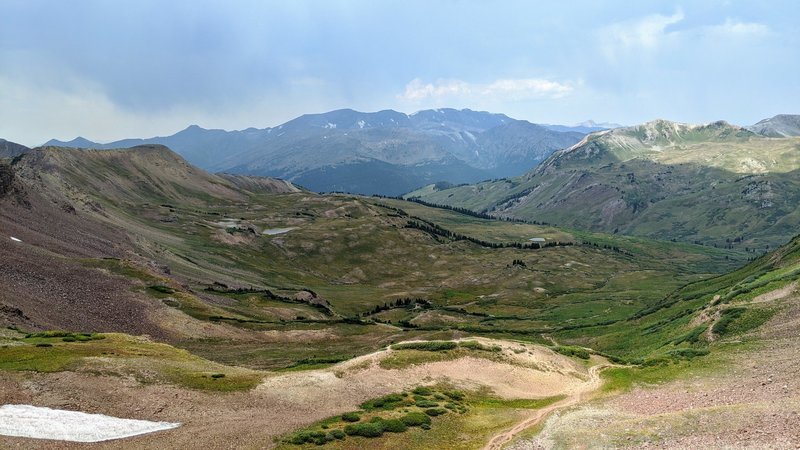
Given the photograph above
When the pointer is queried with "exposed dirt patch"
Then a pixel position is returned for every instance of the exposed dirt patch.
(282, 403)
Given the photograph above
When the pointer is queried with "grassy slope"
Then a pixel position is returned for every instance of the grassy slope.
(358, 259)
(657, 186)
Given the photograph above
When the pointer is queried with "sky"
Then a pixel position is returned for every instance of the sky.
(107, 70)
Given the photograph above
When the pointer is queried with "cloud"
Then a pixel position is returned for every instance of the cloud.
(644, 34)
(733, 28)
(502, 89)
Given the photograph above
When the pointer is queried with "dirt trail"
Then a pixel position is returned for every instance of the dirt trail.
(594, 383)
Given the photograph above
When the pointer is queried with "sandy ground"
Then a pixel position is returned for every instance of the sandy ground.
(284, 402)
(593, 384)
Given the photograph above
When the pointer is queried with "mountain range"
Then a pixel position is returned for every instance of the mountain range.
(716, 184)
(10, 149)
(385, 152)
(187, 296)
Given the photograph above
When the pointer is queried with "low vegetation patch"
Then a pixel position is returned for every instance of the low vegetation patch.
(427, 346)
(351, 417)
(405, 418)
(65, 336)
(740, 320)
(392, 413)
(570, 350)
(57, 351)
(411, 353)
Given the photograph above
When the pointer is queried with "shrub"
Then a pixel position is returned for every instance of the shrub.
(455, 395)
(433, 412)
(66, 336)
(394, 426)
(370, 429)
(687, 353)
(423, 390)
(570, 350)
(338, 434)
(303, 437)
(728, 316)
(415, 419)
(162, 289)
(351, 417)
(217, 375)
(428, 346)
(425, 426)
(475, 345)
(427, 404)
(386, 402)
(44, 344)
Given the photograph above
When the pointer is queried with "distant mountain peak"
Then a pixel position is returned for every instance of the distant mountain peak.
(78, 142)
(782, 125)
(10, 149)
(592, 124)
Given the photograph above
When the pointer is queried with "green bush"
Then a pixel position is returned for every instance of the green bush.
(338, 434)
(687, 353)
(66, 336)
(428, 346)
(217, 375)
(433, 412)
(415, 419)
(394, 426)
(427, 404)
(162, 289)
(370, 429)
(691, 337)
(423, 390)
(570, 350)
(302, 437)
(351, 417)
(455, 395)
(475, 345)
(728, 316)
(44, 344)
(386, 402)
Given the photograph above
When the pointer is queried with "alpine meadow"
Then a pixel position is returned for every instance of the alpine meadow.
(347, 225)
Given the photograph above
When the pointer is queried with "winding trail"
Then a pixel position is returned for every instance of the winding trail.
(595, 382)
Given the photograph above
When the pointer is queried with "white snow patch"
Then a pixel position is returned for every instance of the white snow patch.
(361, 124)
(274, 231)
(15, 239)
(46, 423)
(330, 126)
